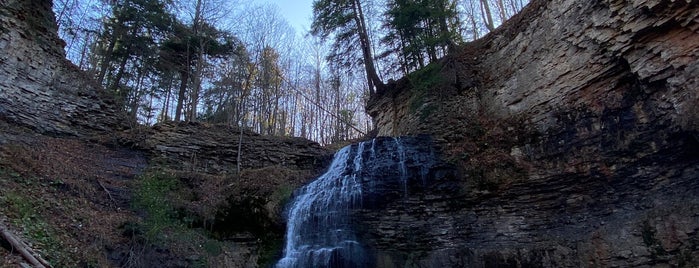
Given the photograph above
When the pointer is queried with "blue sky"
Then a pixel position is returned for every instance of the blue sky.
(297, 12)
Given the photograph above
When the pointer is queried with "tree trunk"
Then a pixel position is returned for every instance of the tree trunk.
(239, 157)
(184, 76)
(117, 79)
(502, 11)
(373, 80)
(164, 115)
(24, 250)
(196, 87)
(136, 97)
(107, 58)
(474, 25)
(191, 113)
(487, 15)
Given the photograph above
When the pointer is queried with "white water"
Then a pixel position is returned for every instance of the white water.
(403, 168)
(319, 228)
(318, 231)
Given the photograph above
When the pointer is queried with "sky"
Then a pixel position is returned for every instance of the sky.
(297, 12)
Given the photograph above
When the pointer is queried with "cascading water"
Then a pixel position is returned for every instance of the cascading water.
(320, 231)
(403, 168)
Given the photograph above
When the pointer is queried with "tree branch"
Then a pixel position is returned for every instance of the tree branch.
(114, 202)
(24, 250)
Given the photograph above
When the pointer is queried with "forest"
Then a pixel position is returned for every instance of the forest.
(241, 63)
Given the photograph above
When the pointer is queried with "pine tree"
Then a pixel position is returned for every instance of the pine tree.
(344, 19)
(129, 43)
(420, 31)
(184, 51)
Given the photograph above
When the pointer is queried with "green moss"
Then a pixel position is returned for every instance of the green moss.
(422, 82)
(270, 251)
(685, 258)
(153, 196)
(282, 195)
(18, 205)
(160, 196)
(426, 78)
(213, 247)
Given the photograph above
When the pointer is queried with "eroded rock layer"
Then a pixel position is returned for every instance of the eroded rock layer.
(575, 127)
(214, 149)
(39, 88)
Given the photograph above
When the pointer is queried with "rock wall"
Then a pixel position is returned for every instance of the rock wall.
(559, 55)
(249, 216)
(576, 131)
(39, 88)
(213, 149)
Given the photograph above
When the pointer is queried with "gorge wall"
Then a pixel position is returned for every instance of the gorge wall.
(560, 55)
(213, 149)
(575, 128)
(63, 141)
(41, 89)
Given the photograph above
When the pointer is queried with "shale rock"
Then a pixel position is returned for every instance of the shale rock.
(213, 149)
(39, 88)
(575, 128)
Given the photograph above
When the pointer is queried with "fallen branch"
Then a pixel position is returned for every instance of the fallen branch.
(24, 250)
(114, 202)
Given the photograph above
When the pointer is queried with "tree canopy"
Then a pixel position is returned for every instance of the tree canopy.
(242, 64)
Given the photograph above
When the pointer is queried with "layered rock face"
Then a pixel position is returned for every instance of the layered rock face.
(213, 149)
(39, 88)
(562, 55)
(576, 130)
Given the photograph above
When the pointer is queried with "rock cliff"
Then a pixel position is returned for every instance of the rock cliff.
(575, 128)
(213, 149)
(41, 89)
(68, 158)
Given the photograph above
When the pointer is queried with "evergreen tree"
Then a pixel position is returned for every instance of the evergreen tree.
(420, 31)
(186, 49)
(128, 45)
(344, 19)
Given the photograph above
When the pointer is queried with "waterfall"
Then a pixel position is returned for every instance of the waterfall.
(320, 227)
(403, 168)
(318, 231)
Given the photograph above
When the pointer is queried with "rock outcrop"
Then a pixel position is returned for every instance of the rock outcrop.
(575, 126)
(213, 149)
(39, 88)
